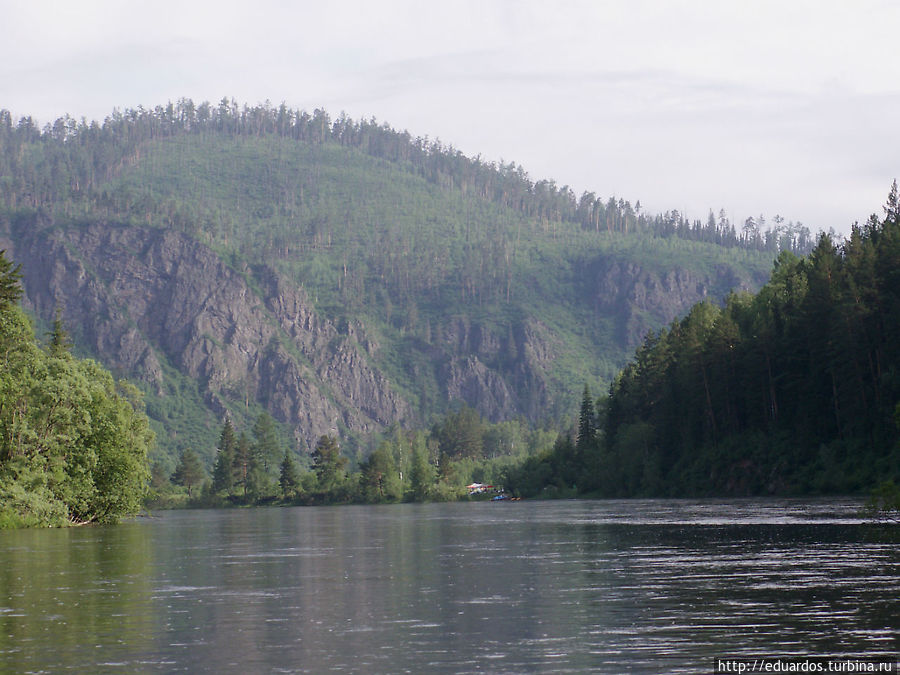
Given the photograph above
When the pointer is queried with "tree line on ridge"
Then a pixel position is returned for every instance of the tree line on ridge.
(63, 166)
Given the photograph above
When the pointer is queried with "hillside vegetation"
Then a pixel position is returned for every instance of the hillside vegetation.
(790, 390)
(341, 275)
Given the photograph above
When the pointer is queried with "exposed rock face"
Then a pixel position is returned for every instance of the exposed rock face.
(641, 299)
(500, 376)
(142, 298)
(135, 294)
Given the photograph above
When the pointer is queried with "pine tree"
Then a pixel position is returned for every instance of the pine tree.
(223, 472)
(461, 434)
(380, 479)
(892, 207)
(243, 465)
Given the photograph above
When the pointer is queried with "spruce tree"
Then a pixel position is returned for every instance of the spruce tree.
(587, 422)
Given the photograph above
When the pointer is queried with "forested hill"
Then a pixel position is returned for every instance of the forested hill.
(791, 390)
(340, 274)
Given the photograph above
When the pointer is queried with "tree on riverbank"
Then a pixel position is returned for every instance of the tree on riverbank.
(403, 465)
(288, 477)
(189, 471)
(73, 442)
(328, 464)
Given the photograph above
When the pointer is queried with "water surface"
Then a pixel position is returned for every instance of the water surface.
(523, 587)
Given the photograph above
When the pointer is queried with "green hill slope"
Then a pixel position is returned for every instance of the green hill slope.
(340, 275)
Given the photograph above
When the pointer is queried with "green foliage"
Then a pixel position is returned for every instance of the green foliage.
(266, 446)
(73, 442)
(243, 467)
(407, 237)
(180, 418)
(379, 477)
(77, 167)
(421, 476)
(10, 290)
(328, 464)
(790, 391)
(585, 444)
(402, 235)
(223, 479)
(460, 434)
(288, 477)
(404, 465)
(28, 502)
(59, 341)
(189, 472)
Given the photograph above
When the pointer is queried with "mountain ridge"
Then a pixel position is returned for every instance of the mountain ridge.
(233, 272)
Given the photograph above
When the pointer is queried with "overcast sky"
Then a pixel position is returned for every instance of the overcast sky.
(786, 107)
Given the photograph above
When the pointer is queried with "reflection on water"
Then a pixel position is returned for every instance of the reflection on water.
(549, 587)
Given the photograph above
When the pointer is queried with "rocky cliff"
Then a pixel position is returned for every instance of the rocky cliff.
(642, 299)
(136, 296)
(148, 302)
(502, 374)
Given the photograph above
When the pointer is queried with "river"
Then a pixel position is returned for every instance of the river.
(642, 586)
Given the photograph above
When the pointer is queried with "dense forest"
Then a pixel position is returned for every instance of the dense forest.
(791, 390)
(73, 442)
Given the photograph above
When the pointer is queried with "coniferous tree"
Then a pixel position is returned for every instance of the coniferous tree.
(189, 472)
(328, 463)
(266, 447)
(587, 422)
(60, 344)
(791, 389)
(244, 466)
(461, 433)
(10, 290)
(289, 476)
(159, 478)
(223, 482)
